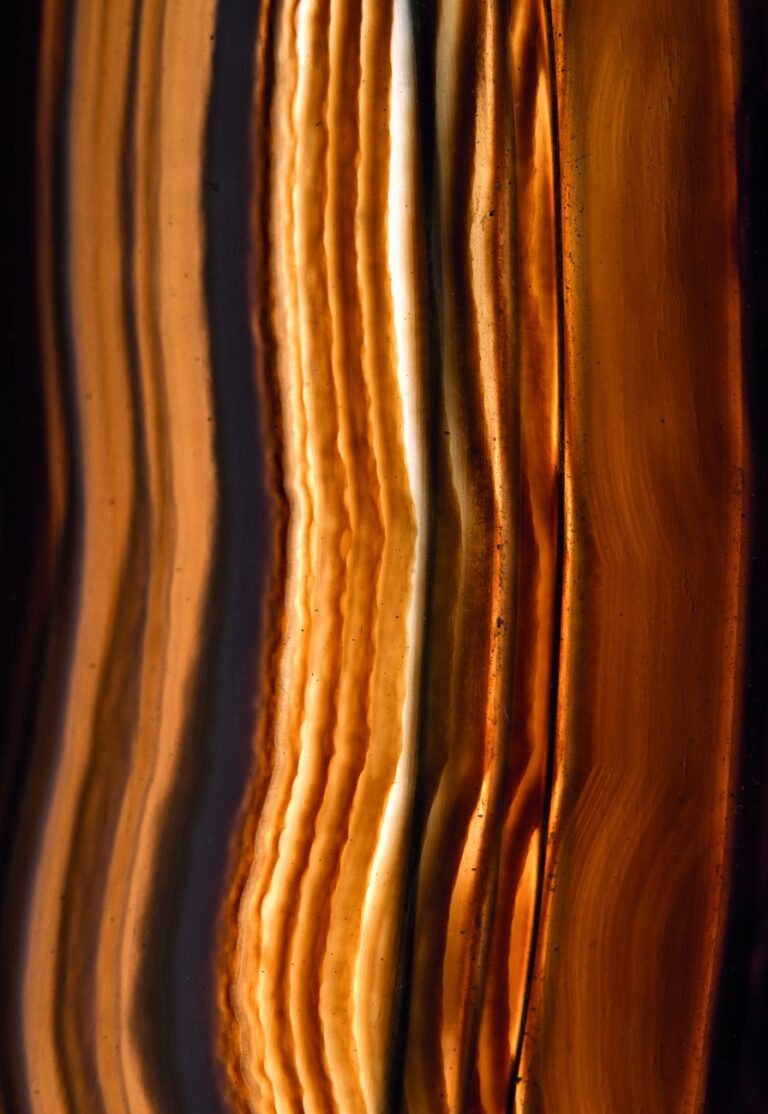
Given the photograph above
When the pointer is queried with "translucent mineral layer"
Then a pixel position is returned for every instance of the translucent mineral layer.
(384, 710)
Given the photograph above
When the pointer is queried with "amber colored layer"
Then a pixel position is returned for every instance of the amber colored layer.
(657, 476)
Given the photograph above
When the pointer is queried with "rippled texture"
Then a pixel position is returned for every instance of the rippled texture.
(385, 584)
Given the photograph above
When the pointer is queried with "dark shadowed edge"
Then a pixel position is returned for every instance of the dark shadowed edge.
(738, 1068)
(45, 623)
(231, 662)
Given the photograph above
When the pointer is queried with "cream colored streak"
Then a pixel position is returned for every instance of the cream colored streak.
(330, 544)
(263, 1025)
(384, 894)
(98, 94)
(185, 67)
(380, 814)
(404, 230)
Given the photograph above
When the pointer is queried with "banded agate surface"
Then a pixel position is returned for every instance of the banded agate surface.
(384, 594)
